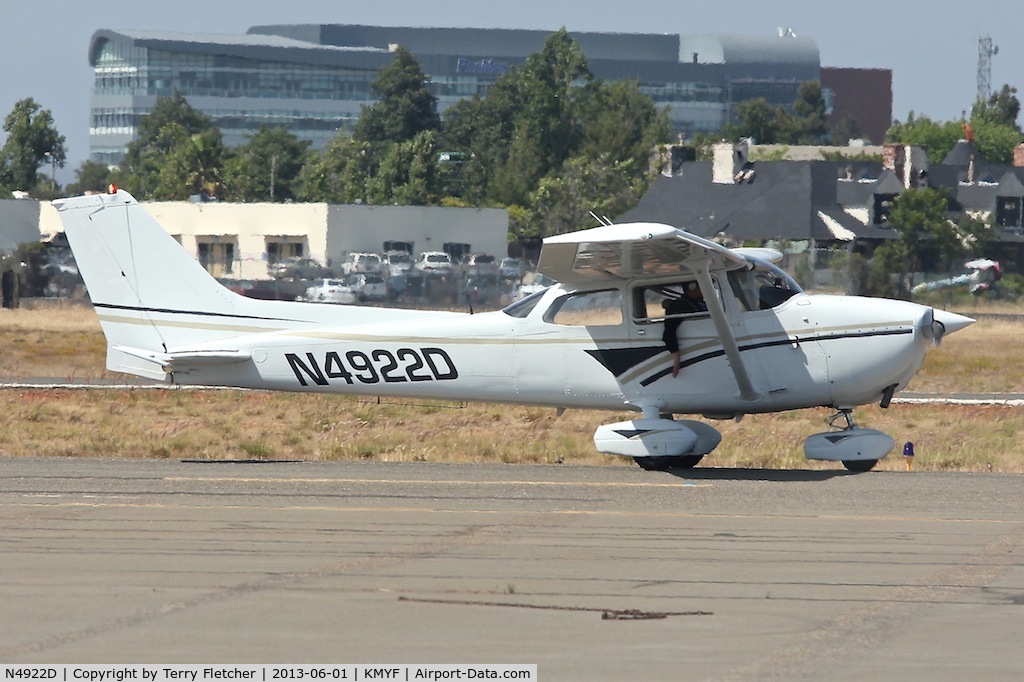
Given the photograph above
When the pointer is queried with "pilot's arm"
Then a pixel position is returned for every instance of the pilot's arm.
(670, 335)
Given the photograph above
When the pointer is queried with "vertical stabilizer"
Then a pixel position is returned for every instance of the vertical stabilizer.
(149, 293)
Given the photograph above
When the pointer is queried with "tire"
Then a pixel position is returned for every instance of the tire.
(666, 463)
(859, 466)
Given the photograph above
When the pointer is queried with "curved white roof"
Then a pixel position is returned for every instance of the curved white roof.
(722, 48)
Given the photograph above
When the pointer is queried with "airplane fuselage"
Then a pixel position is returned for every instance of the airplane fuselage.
(794, 353)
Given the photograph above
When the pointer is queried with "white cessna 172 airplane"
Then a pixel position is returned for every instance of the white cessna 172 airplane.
(592, 340)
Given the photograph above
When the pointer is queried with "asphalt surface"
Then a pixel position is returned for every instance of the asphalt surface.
(597, 573)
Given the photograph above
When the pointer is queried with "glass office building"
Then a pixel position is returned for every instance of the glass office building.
(315, 79)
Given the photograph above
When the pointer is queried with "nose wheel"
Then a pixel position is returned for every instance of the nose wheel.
(855, 466)
(858, 449)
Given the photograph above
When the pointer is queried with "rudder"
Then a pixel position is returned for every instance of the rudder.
(147, 290)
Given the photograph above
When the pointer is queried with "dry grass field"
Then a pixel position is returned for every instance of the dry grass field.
(65, 342)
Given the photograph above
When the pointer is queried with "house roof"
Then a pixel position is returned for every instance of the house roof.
(798, 200)
(776, 205)
(787, 200)
(960, 154)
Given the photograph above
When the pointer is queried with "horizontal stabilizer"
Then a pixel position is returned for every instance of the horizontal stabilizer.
(208, 357)
(158, 365)
(138, 361)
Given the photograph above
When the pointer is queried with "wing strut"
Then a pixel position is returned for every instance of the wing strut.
(732, 352)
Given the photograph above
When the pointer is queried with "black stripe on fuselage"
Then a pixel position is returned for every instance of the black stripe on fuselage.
(170, 311)
(618, 361)
(770, 344)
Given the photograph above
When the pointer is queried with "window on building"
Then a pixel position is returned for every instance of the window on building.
(279, 248)
(217, 254)
(1008, 212)
(882, 207)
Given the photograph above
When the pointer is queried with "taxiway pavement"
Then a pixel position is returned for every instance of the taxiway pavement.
(601, 573)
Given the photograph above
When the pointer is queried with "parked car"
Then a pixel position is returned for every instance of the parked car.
(480, 264)
(367, 287)
(297, 268)
(365, 263)
(330, 291)
(511, 268)
(481, 289)
(397, 263)
(437, 262)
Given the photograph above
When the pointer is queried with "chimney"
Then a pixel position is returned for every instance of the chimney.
(728, 160)
(906, 161)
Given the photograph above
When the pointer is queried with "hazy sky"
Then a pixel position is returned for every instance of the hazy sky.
(930, 45)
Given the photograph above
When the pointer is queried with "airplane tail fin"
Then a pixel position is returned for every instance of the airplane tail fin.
(150, 294)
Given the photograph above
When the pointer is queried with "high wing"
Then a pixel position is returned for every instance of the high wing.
(612, 253)
(636, 251)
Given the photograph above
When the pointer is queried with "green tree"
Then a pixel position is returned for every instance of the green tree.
(563, 202)
(757, 119)
(339, 173)
(845, 129)
(479, 130)
(809, 123)
(938, 138)
(529, 124)
(405, 106)
(994, 141)
(547, 126)
(927, 238)
(91, 176)
(32, 141)
(266, 167)
(1002, 108)
(178, 152)
(806, 124)
(621, 124)
(408, 174)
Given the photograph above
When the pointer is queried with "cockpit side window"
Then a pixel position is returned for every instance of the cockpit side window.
(762, 286)
(587, 309)
(650, 301)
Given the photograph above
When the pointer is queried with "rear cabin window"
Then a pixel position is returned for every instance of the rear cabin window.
(589, 309)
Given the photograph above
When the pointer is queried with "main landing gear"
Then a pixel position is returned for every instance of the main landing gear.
(857, 448)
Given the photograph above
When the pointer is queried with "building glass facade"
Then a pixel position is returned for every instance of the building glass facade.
(295, 76)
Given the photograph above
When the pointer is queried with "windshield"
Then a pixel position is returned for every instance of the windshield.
(524, 307)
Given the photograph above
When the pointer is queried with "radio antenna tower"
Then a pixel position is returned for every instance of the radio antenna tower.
(986, 50)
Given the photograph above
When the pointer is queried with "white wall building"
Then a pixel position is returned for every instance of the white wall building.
(239, 241)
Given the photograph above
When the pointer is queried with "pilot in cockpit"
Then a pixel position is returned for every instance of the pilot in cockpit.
(692, 301)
